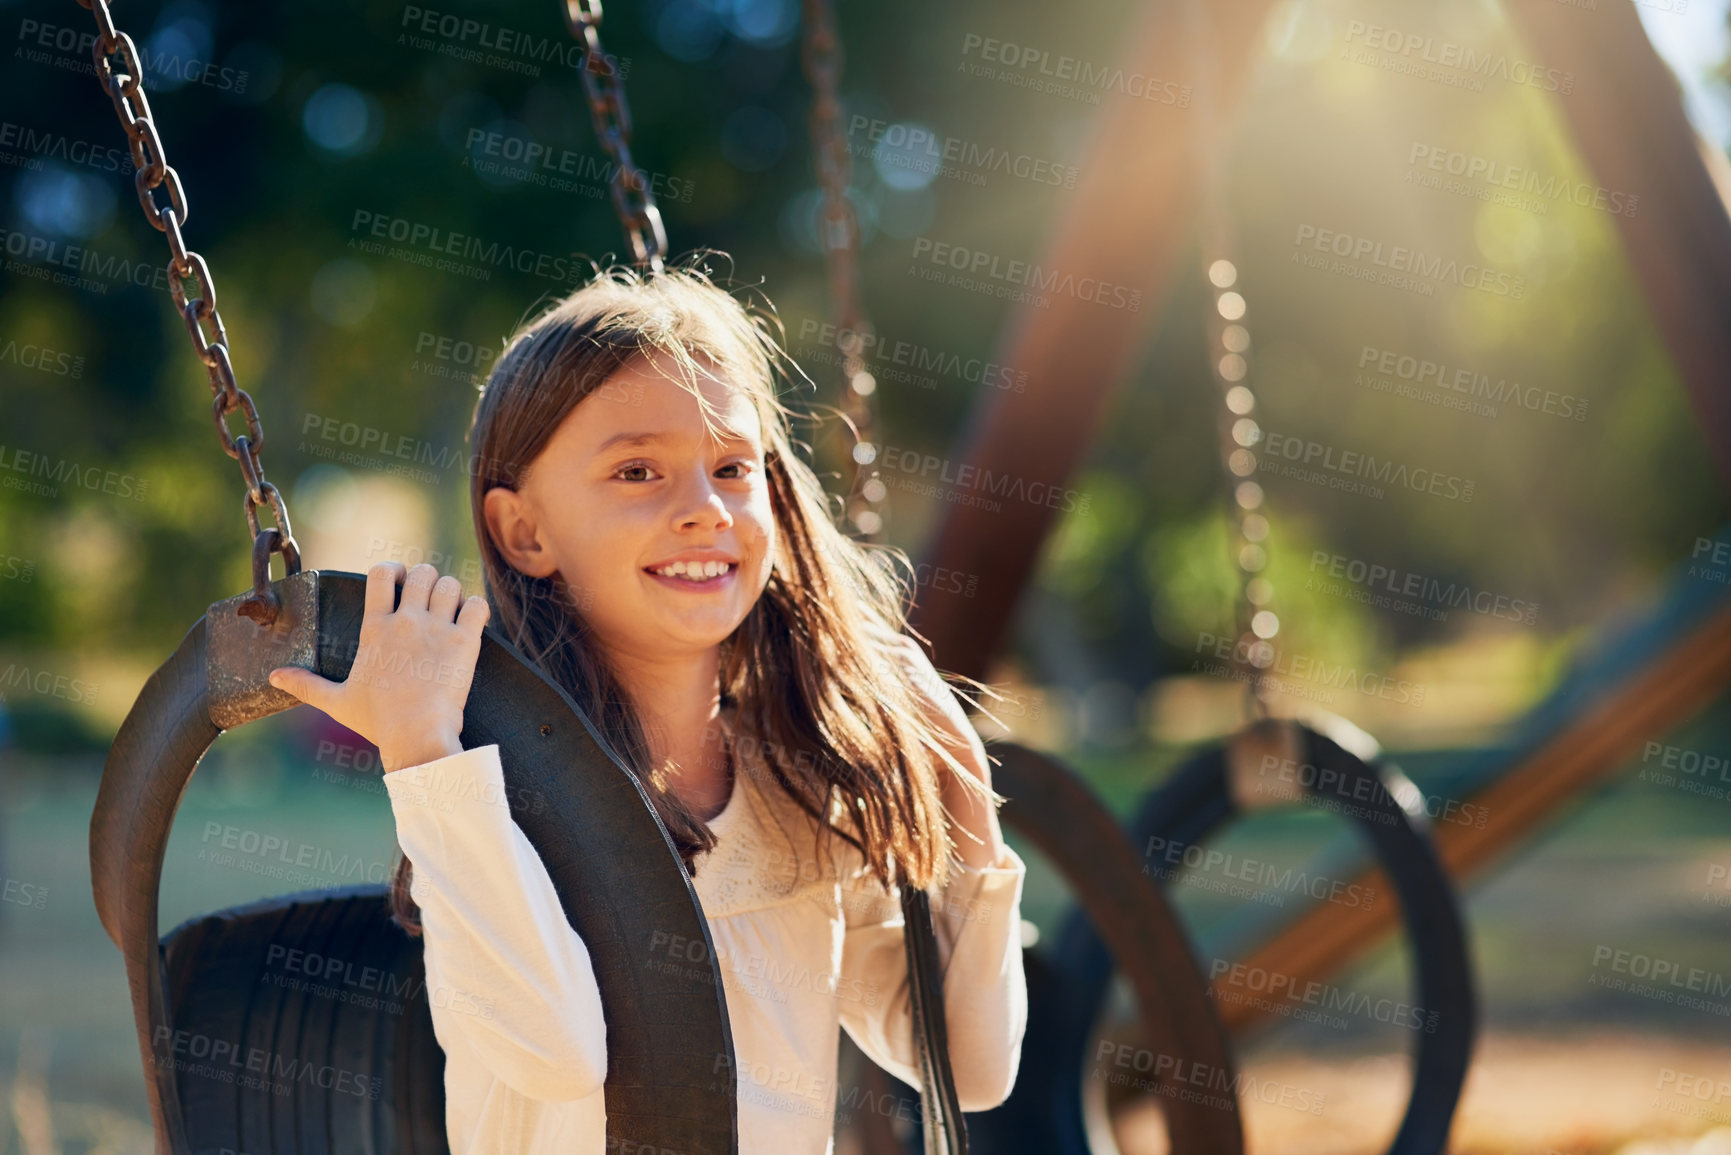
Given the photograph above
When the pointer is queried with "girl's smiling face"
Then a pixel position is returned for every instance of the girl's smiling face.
(637, 505)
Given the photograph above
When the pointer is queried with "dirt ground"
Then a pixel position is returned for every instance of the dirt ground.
(1606, 1094)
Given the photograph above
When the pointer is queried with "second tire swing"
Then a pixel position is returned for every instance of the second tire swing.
(1226, 781)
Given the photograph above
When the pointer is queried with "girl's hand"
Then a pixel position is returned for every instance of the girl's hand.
(412, 671)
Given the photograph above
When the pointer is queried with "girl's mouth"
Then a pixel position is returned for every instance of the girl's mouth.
(695, 575)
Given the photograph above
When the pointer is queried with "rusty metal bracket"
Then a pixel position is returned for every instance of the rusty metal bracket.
(243, 653)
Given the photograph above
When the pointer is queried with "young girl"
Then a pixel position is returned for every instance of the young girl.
(653, 542)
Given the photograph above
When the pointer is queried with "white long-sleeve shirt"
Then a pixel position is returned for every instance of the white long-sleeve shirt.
(805, 946)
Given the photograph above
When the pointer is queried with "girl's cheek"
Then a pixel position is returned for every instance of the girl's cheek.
(763, 517)
(764, 546)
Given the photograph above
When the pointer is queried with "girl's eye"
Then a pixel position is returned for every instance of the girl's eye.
(624, 469)
(742, 466)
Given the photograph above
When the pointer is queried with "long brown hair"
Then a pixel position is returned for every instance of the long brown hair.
(813, 672)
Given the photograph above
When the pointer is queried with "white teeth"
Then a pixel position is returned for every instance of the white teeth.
(696, 570)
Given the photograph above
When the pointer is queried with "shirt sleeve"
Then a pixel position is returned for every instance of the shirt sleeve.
(506, 973)
(978, 922)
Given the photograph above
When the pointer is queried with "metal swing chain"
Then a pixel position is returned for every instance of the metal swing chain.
(125, 87)
(632, 198)
(1229, 339)
(839, 235)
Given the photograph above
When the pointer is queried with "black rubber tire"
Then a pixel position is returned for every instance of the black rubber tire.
(1195, 802)
(317, 1006)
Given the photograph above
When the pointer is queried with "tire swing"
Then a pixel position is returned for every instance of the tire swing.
(370, 1080)
(1275, 763)
(234, 1062)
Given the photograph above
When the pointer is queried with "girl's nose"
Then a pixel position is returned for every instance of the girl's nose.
(700, 505)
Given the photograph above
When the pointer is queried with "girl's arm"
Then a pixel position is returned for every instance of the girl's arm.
(978, 922)
(505, 971)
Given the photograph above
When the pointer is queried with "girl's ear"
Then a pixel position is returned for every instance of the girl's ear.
(513, 527)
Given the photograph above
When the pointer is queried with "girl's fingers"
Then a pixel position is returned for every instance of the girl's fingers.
(305, 685)
(418, 588)
(447, 593)
(474, 614)
(382, 582)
